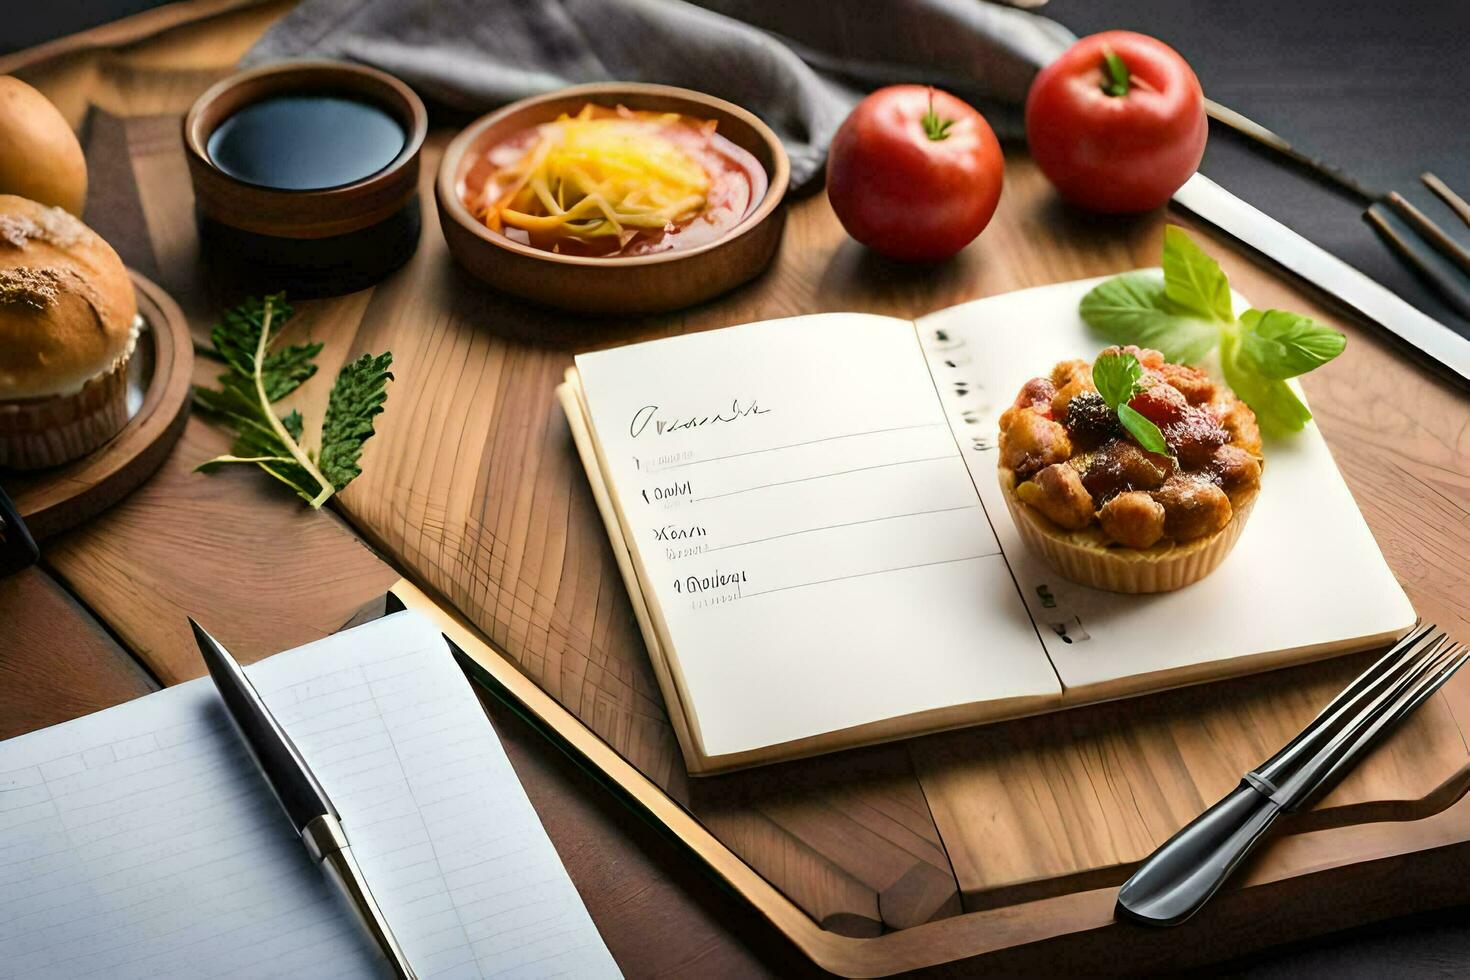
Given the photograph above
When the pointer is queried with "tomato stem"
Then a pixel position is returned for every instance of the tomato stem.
(934, 127)
(1116, 71)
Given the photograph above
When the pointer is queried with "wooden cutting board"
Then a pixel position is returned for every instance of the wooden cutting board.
(473, 488)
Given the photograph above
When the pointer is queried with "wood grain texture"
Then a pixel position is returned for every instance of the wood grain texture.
(62, 497)
(472, 486)
(1307, 883)
(56, 662)
(260, 572)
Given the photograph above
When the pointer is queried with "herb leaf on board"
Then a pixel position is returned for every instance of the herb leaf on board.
(257, 376)
(357, 397)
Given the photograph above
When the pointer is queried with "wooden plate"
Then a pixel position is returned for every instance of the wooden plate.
(160, 378)
(622, 284)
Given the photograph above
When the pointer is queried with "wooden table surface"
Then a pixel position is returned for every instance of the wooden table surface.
(98, 622)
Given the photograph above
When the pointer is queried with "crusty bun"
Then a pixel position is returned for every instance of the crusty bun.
(40, 157)
(66, 302)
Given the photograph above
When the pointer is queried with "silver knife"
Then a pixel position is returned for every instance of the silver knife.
(1230, 214)
(300, 795)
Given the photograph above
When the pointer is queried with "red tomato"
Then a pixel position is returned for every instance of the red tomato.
(1117, 134)
(914, 173)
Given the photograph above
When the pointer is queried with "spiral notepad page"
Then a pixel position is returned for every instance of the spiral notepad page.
(142, 842)
(808, 516)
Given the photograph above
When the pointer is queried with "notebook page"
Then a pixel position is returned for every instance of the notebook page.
(141, 841)
(1305, 572)
(794, 496)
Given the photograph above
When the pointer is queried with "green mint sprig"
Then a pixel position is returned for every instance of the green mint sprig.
(1187, 314)
(258, 376)
(1118, 377)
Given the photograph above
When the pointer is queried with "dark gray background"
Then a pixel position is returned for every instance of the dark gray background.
(1381, 88)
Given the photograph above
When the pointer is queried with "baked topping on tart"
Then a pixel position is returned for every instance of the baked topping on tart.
(1167, 461)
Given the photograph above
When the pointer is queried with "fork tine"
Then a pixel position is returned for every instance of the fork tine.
(1429, 231)
(1405, 706)
(1457, 203)
(1328, 720)
(1366, 708)
(1428, 673)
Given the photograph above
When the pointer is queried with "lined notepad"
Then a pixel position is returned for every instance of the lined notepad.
(142, 842)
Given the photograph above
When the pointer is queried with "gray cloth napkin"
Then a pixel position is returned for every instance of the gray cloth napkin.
(798, 64)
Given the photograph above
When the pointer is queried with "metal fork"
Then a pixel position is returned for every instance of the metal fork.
(1429, 250)
(1178, 878)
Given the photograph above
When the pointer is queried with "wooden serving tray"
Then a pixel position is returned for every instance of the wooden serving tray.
(1004, 842)
(161, 375)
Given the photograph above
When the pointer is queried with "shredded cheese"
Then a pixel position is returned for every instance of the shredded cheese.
(592, 177)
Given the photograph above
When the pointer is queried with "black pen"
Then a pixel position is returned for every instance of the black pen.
(299, 793)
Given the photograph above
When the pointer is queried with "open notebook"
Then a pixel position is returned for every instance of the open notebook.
(807, 516)
(142, 842)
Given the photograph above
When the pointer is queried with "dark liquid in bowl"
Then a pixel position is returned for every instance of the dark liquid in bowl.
(306, 142)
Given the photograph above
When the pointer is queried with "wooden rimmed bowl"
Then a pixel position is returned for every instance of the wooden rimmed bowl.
(628, 284)
(315, 241)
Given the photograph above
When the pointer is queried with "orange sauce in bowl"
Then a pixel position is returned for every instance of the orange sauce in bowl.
(635, 183)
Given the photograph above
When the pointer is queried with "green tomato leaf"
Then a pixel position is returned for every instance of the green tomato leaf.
(1193, 281)
(1132, 309)
(1141, 429)
(1117, 377)
(1278, 344)
(1278, 409)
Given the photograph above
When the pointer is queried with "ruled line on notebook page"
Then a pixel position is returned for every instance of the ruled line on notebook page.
(779, 573)
(201, 875)
(796, 445)
(824, 476)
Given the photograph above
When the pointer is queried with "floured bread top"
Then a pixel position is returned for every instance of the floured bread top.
(67, 308)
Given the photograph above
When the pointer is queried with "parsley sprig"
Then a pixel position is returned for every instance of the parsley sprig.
(258, 375)
(1188, 313)
(1118, 377)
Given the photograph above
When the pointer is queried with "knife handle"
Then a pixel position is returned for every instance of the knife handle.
(17, 548)
(1181, 876)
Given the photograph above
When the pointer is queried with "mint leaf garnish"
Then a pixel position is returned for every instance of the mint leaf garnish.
(1193, 281)
(1277, 408)
(1132, 309)
(1190, 311)
(1118, 377)
(1277, 344)
(1140, 428)
(258, 376)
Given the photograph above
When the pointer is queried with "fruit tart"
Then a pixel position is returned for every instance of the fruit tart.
(1129, 474)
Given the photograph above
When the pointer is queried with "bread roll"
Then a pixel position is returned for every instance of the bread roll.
(40, 157)
(66, 302)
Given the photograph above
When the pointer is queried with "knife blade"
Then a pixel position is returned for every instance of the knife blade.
(1203, 197)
